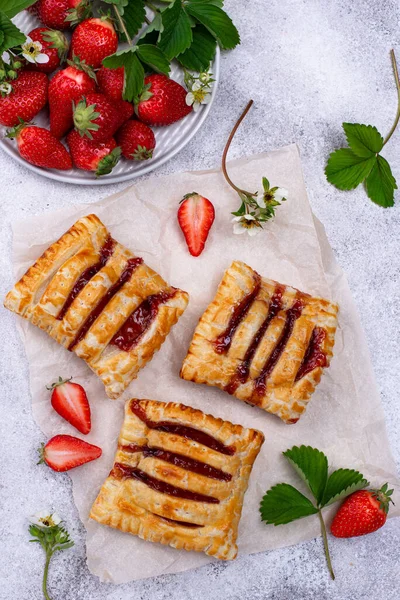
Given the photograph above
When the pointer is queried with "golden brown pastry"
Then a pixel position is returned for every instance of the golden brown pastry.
(100, 301)
(263, 342)
(179, 478)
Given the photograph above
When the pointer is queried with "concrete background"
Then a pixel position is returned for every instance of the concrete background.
(309, 65)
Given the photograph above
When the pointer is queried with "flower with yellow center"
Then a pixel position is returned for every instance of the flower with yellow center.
(199, 94)
(32, 52)
(246, 223)
(45, 519)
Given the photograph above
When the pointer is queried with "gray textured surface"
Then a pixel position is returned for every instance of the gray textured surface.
(309, 65)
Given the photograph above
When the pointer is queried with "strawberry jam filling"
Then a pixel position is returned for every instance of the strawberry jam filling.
(190, 464)
(139, 321)
(190, 433)
(223, 342)
(243, 369)
(292, 314)
(314, 356)
(123, 471)
(180, 523)
(125, 276)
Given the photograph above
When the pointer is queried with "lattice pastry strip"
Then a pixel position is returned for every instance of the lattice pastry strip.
(179, 478)
(96, 298)
(263, 342)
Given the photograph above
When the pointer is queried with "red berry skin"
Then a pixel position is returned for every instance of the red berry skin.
(28, 97)
(39, 147)
(196, 215)
(54, 56)
(111, 82)
(93, 40)
(107, 121)
(64, 452)
(52, 13)
(167, 103)
(87, 154)
(359, 514)
(125, 112)
(137, 140)
(67, 86)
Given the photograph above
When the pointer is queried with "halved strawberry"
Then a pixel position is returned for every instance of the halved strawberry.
(64, 452)
(70, 401)
(195, 216)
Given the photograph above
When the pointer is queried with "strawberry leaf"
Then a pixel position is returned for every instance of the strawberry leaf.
(283, 504)
(346, 170)
(13, 7)
(341, 483)
(312, 466)
(201, 52)
(134, 71)
(134, 15)
(381, 184)
(176, 36)
(216, 21)
(364, 140)
(12, 35)
(154, 58)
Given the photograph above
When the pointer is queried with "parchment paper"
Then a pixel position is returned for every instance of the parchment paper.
(344, 417)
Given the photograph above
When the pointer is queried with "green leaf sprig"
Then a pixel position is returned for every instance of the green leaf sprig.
(48, 531)
(362, 161)
(185, 30)
(283, 503)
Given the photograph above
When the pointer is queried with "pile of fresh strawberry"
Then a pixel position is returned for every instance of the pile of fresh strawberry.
(84, 98)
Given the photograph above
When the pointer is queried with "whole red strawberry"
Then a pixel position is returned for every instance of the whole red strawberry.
(95, 117)
(69, 400)
(363, 512)
(162, 102)
(27, 96)
(99, 157)
(93, 40)
(39, 147)
(125, 111)
(196, 215)
(111, 82)
(54, 45)
(64, 452)
(137, 140)
(67, 86)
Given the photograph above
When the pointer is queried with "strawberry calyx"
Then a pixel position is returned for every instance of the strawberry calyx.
(41, 452)
(82, 11)
(186, 196)
(144, 95)
(56, 384)
(107, 163)
(81, 65)
(142, 153)
(58, 41)
(383, 496)
(84, 115)
(15, 131)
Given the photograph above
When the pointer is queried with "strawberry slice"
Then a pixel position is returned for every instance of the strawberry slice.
(195, 216)
(70, 401)
(64, 452)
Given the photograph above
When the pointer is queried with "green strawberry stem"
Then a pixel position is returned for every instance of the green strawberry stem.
(326, 547)
(122, 25)
(228, 143)
(396, 77)
(49, 554)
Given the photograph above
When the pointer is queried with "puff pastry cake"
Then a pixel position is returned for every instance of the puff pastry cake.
(263, 342)
(100, 301)
(179, 478)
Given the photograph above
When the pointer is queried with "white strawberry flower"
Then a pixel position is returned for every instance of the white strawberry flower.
(246, 223)
(45, 519)
(281, 194)
(31, 51)
(198, 95)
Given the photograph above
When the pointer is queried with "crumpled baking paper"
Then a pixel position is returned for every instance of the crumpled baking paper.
(344, 417)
